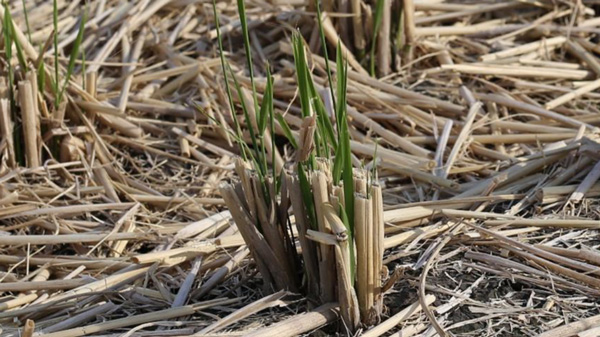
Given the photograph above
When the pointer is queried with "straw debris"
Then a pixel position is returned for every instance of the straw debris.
(280, 168)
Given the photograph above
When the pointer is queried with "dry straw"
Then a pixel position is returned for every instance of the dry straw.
(165, 176)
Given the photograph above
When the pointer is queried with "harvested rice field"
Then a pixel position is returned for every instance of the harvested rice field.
(300, 168)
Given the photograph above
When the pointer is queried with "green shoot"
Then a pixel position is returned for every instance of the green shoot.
(346, 221)
(224, 67)
(326, 140)
(257, 137)
(311, 102)
(268, 102)
(301, 73)
(20, 54)
(41, 72)
(342, 166)
(244, 23)
(307, 197)
(303, 79)
(10, 29)
(235, 136)
(344, 141)
(264, 116)
(341, 84)
(374, 167)
(344, 149)
(259, 169)
(73, 57)
(327, 131)
(9, 38)
(398, 21)
(338, 164)
(83, 68)
(8, 47)
(376, 24)
(55, 40)
(27, 21)
(324, 45)
(286, 130)
(340, 116)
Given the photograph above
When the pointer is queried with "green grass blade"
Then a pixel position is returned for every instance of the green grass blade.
(346, 221)
(271, 113)
(273, 168)
(344, 147)
(8, 42)
(327, 131)
(286, 130)
(267, 104)
(240, 141)
(20, 54)
(11, 30)
(341, 86)
(247, 47)
(55, 41)
(374, 168)
(307, 197)
(74, 53)
(340, 114)
(6, 29)
(325, 122)
(311, 102)
(338, 164)
(304, 89)
(301, 73)
(258, 146)
(27, 21)
(266, 110)
(224, 68)
(324, 46)
(376, 26)
(261, 170)
(8, 54)
(348, 179)
(41, 75)
(83, 68)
